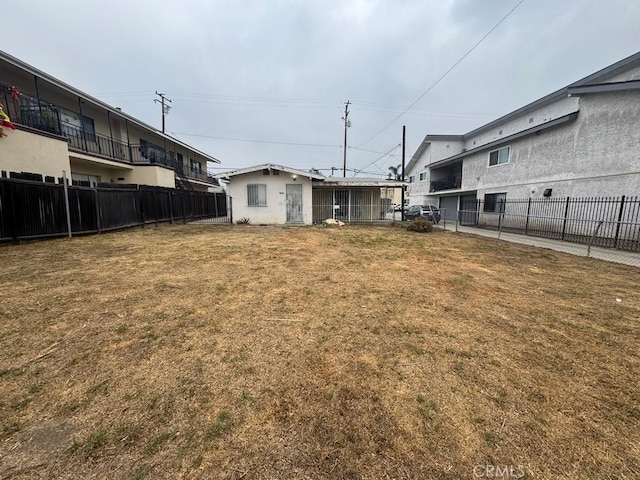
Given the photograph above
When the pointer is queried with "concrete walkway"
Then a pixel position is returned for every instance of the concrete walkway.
(608, 254)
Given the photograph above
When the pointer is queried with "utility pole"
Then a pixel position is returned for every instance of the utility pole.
(347, 124)
(165, 107)
(404, 137)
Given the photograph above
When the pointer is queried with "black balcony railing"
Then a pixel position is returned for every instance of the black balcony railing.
(451, 184)
(45, 116)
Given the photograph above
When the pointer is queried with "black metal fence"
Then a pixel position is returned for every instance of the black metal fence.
(612, 222)
(30, 210)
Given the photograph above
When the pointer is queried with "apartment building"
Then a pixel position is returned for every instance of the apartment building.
(59, 128)
(580, 141)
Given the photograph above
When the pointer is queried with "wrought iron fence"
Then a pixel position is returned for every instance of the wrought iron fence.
(612, 222)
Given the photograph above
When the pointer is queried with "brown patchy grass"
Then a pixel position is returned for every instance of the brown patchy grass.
(363, 352)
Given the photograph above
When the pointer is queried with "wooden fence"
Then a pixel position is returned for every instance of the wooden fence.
(31, 210)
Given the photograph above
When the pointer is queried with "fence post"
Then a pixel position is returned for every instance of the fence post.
(615, 243)
(140, 202)
(66, 201)
(97, 201)
(171, 207)
(500, 216)
(595, 232)
(230, 207)
(526, 225)
(14, 216)
(566, 212)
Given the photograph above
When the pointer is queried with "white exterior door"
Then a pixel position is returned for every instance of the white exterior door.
(294, 203)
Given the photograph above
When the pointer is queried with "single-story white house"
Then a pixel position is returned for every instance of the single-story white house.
(278, 195)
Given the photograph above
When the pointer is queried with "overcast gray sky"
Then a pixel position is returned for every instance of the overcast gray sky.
(244, 72)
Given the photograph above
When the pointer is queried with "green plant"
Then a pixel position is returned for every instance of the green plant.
(420, 225)
(224, 422)
(243, 221)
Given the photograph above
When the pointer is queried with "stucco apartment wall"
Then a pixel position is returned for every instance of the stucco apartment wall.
(596, 155)
(152, 175)
(559, 108)
(275, 213)
(22, 151)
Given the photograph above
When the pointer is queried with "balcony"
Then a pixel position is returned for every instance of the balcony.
(449, 184)
(45, 116)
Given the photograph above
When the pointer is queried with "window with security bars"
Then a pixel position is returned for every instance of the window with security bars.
(257, 195)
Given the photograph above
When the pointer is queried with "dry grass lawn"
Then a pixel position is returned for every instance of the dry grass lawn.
(315, 353)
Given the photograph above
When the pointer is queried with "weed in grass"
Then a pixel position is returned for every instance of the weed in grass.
(633, 412)
(10, 428)
(34, 388)
(416, 350)
(458, 367)
(479, 420)
(155, 443)
(491, 438)
(140, 472)
(329, 395)
(246, 395)
(224, 422)
(19, 404)
(96, 439)
(122, 328)
(501, 398)
(197, 460)
(428, 408)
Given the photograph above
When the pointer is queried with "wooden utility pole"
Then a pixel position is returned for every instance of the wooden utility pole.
(404, 135)
(347, 124)
(165, 107)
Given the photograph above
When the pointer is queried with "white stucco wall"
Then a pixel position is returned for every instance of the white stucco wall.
(275, 213)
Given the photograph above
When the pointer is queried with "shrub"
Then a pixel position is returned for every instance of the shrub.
(420, 225)
(243, 221)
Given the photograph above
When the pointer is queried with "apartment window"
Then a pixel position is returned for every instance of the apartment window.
(195, 166)
(423, 176)
(494, 202)
(412, 178)
(257, 195)
(499, 157)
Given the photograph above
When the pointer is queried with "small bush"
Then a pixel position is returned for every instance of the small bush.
(243, 221)
(420, 225)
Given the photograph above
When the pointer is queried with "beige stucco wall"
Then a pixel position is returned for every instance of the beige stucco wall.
(152, 175)
(22, 151)
(275, 213)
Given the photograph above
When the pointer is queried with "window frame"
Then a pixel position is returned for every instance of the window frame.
(412, 178)
(259, 197)
(423, 176)
(497, 152)
(492, 200)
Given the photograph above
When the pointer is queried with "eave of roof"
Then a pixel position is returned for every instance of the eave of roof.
(99, 103)
(270, 166)
(501, 141)
(359, 182)
(605, 87)
(594, 79)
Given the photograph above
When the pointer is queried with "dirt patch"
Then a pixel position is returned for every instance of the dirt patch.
(361, 352)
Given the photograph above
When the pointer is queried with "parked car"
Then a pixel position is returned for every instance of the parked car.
(428, 212)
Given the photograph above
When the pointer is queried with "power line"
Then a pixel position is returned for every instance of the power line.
(380, 157)
(258, 141)
(445, 73)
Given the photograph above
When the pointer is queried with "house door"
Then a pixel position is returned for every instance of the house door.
(294, 203)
